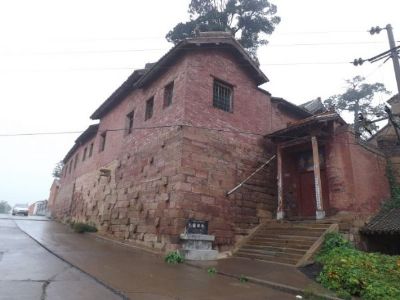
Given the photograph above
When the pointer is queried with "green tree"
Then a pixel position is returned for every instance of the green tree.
(4, 207)
(357, 99)
(57, 171)
(249, 21)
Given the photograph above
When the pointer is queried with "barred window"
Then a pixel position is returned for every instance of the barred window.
(222, 96)
(149, 108)
(168, 94)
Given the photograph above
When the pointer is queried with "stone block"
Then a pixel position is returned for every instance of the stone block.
(199, 254)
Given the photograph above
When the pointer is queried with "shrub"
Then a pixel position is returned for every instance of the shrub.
(211, 271)
(352, 272)
(333, 240)
(174, 257)
(83, 227)
(243, 279)
(394, 200)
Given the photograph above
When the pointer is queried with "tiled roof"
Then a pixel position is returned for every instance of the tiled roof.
(384, 223)
(89, 133)
(315, 119)
(291, 107)
(314, 106)
(205, 41)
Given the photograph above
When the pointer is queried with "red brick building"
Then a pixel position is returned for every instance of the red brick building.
(177, 135)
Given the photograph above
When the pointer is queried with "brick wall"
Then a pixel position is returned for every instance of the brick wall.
(161, 177)
(356, 175)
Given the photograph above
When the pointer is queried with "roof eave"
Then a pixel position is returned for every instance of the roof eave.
(260, 77)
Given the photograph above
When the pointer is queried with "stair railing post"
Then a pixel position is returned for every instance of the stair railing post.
(279, 212)
(320, 213)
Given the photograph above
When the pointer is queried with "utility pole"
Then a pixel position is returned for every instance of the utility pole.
(393, 50)
(394, 55)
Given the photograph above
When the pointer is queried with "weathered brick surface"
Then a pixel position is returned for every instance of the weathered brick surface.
(356, 176)
(164, 175)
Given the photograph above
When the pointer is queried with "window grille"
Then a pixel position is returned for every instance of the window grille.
(149, 108)
(222, 96)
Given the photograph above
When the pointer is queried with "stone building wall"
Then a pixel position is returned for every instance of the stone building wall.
(212, 164)
(181, 166)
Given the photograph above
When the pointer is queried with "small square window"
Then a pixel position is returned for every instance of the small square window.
(103, 137)
(222, 96)
(149, 108)
(168, 94)
(91, 150)
(129, 122)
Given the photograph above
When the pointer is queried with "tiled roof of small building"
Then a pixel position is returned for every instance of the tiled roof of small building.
(291, 107)
(384, 223)
(314, 106)
(315, 119)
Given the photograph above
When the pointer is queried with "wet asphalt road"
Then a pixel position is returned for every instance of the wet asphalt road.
(28, 271)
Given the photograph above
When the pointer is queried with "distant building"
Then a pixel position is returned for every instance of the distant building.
(39, 208)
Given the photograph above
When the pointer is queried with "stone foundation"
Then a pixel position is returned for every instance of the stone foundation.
(147, 195)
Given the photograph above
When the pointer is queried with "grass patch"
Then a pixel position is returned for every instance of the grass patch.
(174, 257)
(83, 227)
(211, 271)
(350, 272)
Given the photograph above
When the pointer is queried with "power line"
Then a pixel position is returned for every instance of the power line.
(128, 38)
(164, 68)
(109, 51)
(134, 128)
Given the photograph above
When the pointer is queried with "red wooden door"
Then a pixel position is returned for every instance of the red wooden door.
(307, 205)
(307, 202)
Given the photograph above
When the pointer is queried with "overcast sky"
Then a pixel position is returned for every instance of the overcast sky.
(59, 60)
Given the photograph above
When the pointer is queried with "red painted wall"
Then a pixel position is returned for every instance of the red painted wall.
(356, 175)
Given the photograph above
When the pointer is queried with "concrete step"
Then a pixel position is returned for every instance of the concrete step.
(271, 253)
(291, 232)
(294, 228)
(267, 258)
(274, 249)
(299, 225)
(280, 244)
(284, 238)
(286, 242)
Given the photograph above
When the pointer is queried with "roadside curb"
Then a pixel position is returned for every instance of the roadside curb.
(120, 243)
(274, 285)
(26, 219)
(115, 291)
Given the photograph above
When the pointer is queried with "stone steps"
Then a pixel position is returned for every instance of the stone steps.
(267, 258)
(285, 243)
(262, 248)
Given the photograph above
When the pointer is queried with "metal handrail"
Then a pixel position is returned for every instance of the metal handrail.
(251, 175)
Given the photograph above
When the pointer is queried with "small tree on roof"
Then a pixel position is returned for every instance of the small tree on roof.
(57, 171)
(249, 21)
